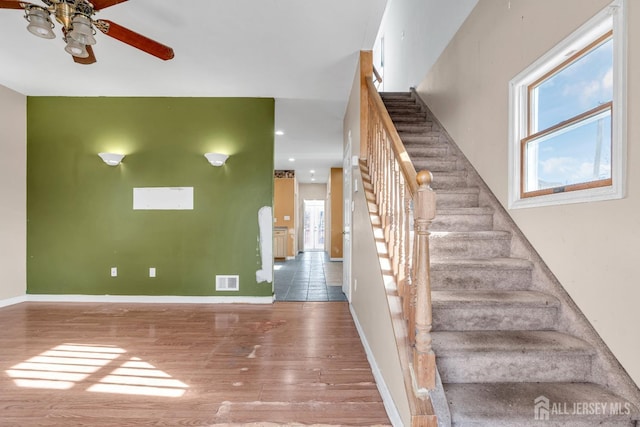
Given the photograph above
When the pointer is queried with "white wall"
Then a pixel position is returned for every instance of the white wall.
(591, 247)
(415, 33)
(13, 194)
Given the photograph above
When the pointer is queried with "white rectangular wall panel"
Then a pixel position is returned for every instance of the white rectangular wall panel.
(163, 198)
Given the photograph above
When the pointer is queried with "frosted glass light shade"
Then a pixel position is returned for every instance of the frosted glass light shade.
(76, 49)
(39, 23)
(112, 159)
(82, 31)
(216, 159)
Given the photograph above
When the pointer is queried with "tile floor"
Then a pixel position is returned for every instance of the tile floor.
(309, 277)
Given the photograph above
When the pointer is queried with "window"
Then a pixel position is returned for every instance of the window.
(567, 127)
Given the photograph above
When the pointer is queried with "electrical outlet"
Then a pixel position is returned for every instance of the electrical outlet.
(114, 271)
(152, 272)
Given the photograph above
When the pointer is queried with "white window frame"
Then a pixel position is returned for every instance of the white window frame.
(611, 17)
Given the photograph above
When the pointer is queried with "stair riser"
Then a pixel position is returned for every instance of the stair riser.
(409, 118)
(557, 421)
(436, 165)
(456, 200)
(405, 109)
(491, 318)
(496, 367)
(400, 105)
(446, 247)
(421, 129)
(444, 182)
(480, 222)
(409, 139)
(427, 151)
(480, 279)
(391, 101)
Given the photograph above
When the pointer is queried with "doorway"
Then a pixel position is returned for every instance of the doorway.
(313, 225)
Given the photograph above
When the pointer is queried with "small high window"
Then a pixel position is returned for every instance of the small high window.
(567, 121)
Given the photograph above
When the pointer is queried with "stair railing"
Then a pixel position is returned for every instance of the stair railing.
(406, 206)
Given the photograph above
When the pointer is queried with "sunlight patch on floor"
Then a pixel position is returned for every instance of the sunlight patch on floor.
(64, 366)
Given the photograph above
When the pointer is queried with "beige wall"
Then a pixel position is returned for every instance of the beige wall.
(590, 247)
(13, 194)
(368, 296)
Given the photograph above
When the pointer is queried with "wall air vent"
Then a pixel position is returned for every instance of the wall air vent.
(227, 283)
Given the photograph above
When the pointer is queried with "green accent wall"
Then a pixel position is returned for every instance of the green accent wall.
(80, 213)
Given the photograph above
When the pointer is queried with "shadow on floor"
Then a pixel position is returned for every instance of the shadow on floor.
(309, 277)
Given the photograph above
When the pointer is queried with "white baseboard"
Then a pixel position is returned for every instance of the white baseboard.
(335, 259)
(11, 301)
(150, 299)
(387, 400)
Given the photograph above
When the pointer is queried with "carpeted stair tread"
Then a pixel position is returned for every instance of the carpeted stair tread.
(504, 263)
(464, 211)
(463, 219)
(446, 343)
(496, 340)
(499, 356)
(513, 404)
(481, 274)
(469, 244)
(484, 298)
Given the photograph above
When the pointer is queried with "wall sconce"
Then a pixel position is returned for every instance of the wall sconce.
(216, 159)
(112, 159)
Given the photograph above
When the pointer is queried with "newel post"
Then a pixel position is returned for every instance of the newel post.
(424, 360)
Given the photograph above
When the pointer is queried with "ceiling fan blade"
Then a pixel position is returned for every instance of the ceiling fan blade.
(12, 4)
(88, 60)
(134, 39)
(102, 4)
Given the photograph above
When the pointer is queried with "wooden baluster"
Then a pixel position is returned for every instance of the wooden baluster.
(371, 140)
(408, 247)
(402, 240)
(378, 169)
(395, 219)
(389, 190)
(424, 359)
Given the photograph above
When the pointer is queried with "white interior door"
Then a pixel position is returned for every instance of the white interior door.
(313, 225)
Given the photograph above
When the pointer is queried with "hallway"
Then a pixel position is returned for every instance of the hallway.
(309, 277)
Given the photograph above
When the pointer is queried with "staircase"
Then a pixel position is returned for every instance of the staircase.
(511, 347)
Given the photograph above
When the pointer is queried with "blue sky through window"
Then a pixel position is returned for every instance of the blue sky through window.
(569, 156)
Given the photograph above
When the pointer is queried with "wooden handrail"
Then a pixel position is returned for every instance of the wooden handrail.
(377, 75)
(404, 199)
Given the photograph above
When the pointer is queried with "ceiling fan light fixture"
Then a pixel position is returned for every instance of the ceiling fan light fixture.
(39, 23)
(82, 31)
(76, 49)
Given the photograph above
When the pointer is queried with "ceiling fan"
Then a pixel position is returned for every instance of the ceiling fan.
(78, 27)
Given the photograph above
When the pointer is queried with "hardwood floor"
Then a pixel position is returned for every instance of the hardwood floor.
(184, 365)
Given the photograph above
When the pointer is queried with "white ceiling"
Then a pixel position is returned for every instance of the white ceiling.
(303, 53)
